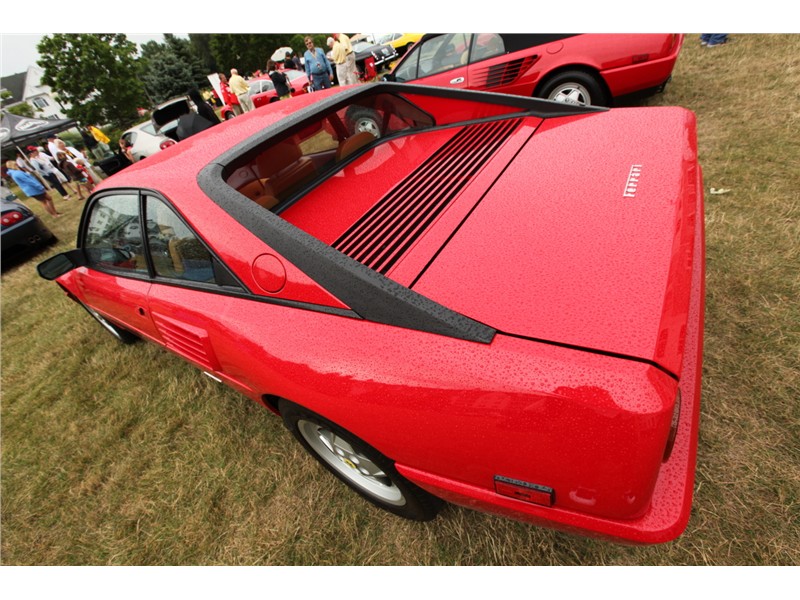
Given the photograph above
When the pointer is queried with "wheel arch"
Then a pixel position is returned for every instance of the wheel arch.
(582, 67)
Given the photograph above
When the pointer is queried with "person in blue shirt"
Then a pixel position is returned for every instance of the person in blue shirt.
(318, 69)
(31, 187)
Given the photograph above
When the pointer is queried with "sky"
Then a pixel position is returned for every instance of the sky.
(18, 50)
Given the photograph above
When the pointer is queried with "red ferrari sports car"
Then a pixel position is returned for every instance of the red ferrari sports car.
(491, 300)
(262, 90)
(579, 69)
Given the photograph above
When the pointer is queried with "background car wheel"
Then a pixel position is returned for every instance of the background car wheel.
(364, 119)
(358, 464)
(229, 115)
(574, 87)
(122, 335)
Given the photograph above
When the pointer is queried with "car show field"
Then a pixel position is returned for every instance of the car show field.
(126, 454)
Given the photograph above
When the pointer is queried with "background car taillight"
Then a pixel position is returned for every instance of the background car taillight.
(673, 430)
(11, 217)
(166, 144)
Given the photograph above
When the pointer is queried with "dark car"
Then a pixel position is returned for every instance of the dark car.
(22, 231)
(372, 58)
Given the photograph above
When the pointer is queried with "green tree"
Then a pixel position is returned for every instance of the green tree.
(22, 109)
(247, 52)
(202, 49)
(171, 69)
(96, 74)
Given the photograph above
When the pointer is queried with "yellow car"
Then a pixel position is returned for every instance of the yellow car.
(401, 42)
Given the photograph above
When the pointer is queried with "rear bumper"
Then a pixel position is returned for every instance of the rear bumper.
(670, 506)
(651, 75)
(27, 235)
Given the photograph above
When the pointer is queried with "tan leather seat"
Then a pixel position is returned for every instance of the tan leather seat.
(353, 143)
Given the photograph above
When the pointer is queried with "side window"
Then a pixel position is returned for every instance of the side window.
(486, 46)
(175, 250)
(408, 70)
(113, 234)
(444, 53)
(130, 137)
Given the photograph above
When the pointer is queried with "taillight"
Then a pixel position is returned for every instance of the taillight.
(673, 430)
(11, 217)
(166, 144)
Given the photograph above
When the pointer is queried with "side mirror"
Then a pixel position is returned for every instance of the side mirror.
(55, 266)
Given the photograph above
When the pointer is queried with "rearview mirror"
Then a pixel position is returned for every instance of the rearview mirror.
(57, 265)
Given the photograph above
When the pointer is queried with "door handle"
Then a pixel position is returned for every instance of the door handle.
(457, 80)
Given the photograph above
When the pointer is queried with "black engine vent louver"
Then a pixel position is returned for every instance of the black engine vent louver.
(382, 236)
(505, 73)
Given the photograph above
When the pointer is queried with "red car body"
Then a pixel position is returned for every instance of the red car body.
(583, 69)
(498, 301)
(262, 90)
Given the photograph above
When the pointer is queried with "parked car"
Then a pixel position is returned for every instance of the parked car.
(578, 69)
(497, 302)
(371, 58)
(401, 42)
(21, 231)
(145, 140)
(262, 90)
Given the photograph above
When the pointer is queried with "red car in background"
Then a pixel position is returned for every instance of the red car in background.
(579, 69)
(491, 300)
(262, 90)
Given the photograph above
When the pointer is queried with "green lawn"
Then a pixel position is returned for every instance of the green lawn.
(127, 455)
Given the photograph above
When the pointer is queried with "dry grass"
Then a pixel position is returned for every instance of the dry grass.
(127, 455)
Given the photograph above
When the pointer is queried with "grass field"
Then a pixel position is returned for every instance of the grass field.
(127, 455)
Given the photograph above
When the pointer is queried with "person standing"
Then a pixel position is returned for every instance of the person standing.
(241, 89)
(203, 108)
(346, 71)
(47, 171)
(318, 69)
(228, 97)
(279, 80)
(74, 174)
(31, 187)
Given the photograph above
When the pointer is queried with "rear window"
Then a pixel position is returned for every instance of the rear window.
(314, 150)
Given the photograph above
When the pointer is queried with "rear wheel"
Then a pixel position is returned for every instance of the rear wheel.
(574, 87)
(122, 335)
(361, 119)
(358, 465)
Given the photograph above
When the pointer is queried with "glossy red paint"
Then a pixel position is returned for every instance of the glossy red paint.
(620, 63)
(595, 299)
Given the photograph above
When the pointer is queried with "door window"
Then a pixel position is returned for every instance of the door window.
(443, 53)
(113, 234)
(176, 251)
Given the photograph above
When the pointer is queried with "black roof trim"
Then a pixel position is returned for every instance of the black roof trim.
(370, 294)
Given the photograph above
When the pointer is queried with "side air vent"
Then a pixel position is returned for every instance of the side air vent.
(187, 340)
(505, 73)
(381, 237)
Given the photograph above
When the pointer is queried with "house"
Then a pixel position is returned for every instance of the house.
(27, 87)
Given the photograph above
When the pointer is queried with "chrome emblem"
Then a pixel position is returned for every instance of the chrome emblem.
(633, 181)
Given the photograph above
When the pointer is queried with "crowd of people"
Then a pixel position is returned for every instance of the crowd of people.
(59, 168)
(65, 170)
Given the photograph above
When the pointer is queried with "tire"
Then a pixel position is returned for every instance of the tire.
(229, 115)
(574, 87)
(360, 466)
(121, 335)
(364, 119)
